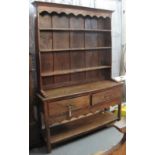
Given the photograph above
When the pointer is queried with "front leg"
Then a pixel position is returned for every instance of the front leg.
(119, 112)
(47, 129)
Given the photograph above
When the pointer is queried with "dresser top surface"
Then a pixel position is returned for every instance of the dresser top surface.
(78, 89)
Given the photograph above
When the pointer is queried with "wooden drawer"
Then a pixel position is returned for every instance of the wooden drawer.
(106, 95)
(65, 109)
(105, 104)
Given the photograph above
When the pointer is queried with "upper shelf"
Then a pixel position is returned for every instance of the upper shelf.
(74, 49)
(67, 29)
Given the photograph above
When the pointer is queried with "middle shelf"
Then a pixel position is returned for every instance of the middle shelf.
(73, 70)
(73, 29)
(75, 49)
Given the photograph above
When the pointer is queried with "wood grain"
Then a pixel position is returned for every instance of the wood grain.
(50, 73)
(61, 40)
(77, 41)
(100, 97)
(62, 105)
(46, 62)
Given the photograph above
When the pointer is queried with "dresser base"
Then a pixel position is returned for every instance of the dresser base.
(72, 129)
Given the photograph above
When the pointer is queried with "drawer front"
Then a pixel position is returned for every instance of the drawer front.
(65, 109)
(107, 95)
(105, 104)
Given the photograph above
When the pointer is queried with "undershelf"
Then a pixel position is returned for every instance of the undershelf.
(79, 127)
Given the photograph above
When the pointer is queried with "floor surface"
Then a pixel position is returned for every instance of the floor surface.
(88, 145)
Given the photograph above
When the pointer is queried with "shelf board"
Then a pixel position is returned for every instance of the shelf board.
(71, 29)
(73, 71)
(75, 49)
(79, 127)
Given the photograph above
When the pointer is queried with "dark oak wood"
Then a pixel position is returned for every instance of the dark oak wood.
(67, 106)
(73, 48)
(34, 128)
(119, 112)
(100, 97)
(79, 111)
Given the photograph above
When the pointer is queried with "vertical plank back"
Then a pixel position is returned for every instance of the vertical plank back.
(77, 41)
(61, 41)
(66, 60)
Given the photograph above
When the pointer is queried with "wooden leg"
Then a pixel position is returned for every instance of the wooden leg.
(39, 112)
(47, 128)
(119, 112)
(48, 144)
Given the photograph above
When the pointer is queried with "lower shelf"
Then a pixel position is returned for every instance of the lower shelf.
(79, 127)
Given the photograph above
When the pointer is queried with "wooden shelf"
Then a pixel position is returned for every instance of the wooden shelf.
(67, 29)
(73, 71)
(74, 49)
(79, 127)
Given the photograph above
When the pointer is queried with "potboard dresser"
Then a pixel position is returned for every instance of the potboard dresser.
(75, 88)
